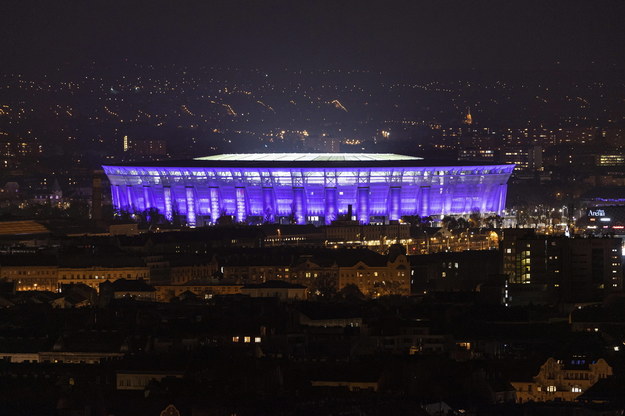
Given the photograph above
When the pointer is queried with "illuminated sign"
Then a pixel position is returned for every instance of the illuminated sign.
(596, 213)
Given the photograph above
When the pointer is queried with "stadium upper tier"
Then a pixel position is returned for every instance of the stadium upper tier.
(307, 187)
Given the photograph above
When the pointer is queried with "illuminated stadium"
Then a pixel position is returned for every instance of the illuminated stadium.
(307, 187)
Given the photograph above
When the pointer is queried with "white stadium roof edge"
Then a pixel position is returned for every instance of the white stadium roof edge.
(308, 157)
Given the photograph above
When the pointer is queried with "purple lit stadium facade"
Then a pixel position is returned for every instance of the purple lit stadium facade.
(308, 187)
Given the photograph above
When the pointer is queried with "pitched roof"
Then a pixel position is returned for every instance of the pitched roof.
(274, 284)
(125, 285)
(22, 228)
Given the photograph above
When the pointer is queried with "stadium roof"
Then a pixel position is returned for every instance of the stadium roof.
(304, 160)
(308, 157)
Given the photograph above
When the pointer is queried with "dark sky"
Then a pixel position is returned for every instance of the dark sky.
(401, 35)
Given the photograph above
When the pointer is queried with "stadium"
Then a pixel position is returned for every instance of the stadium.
(308, 187)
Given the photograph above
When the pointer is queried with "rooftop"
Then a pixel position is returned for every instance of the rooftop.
(22, 228)
(274, 284)
(305, 160)
(308, 157)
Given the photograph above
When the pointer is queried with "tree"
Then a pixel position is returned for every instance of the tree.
(475, 219)
(387, 287)
(494, 221)
(412, 219)
(427, 221)
(224, 219)
(268, 218)
(463, 223)
(351, 292)
(449, 222)
(123, 215)
(152, 217)
(324, 285)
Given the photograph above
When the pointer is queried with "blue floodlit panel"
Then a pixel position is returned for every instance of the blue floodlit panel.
(167, 208)
(214, 201)
(299, 205)
(241, 210)
(190, 200)
(330, 205)
(117, 203)
(363, 204)
(269, 206)
(301, 192)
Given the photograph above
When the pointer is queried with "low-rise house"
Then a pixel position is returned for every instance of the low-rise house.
(353, 385)
(330, 321)
(350, 378)
(93, 270)
(186, 268)
(284, 291)
(71, 300)
(200, 288)
(30, 272)
(376, 275)
(139, 380)
(128, 289)
(408, 337)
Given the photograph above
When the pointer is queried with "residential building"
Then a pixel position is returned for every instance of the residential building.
(560, 379)
(561, 268)
(274, 288)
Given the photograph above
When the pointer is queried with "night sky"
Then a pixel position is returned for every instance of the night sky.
(394, 35)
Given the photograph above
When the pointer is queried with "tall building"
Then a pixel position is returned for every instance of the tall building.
(308, 187)
(563, 268)
(525, 158)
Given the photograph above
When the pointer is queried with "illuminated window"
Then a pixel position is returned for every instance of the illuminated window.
(551, 389)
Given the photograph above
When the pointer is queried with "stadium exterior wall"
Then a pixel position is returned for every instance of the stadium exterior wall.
(308, 194)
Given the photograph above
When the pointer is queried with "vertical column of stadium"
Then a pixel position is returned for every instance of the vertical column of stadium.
(299, 196)
(190, 200)
(362, 196)
(269, 197)
(330, 196)
(147, 197)
(394, 197)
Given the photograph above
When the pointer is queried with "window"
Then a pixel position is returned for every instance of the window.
(551, 389)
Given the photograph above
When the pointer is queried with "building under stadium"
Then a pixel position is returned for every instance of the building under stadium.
(308, 187)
